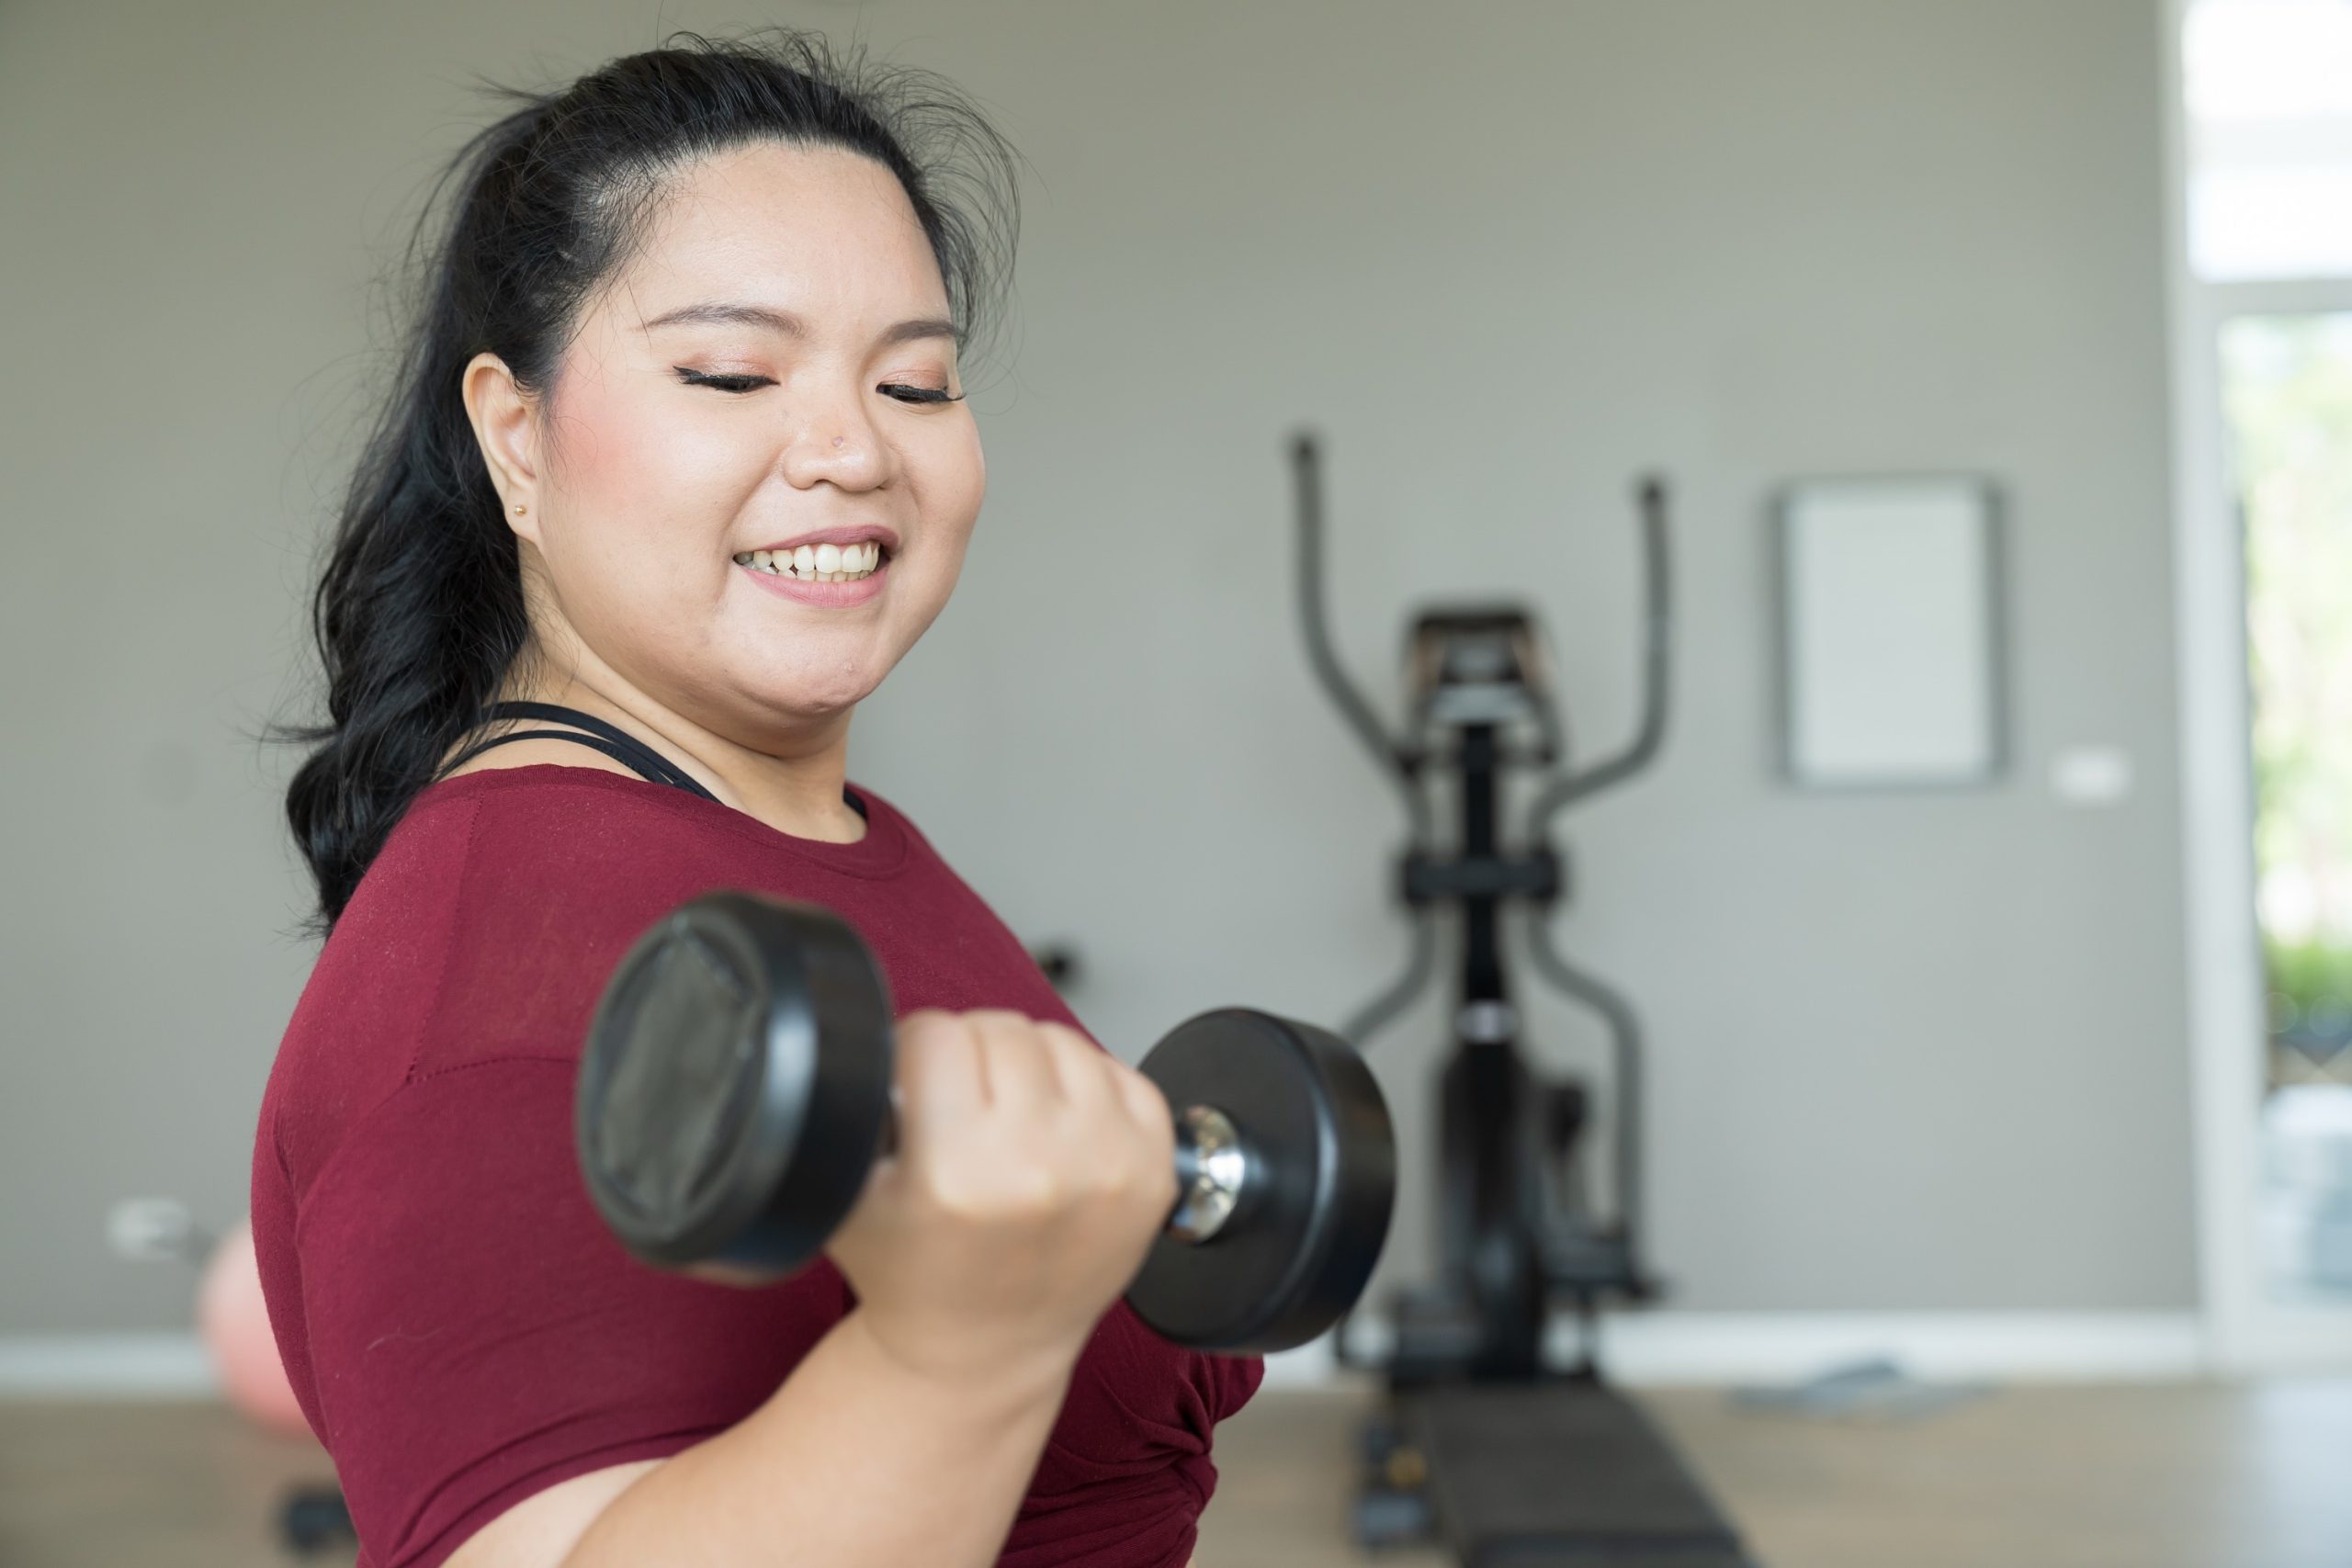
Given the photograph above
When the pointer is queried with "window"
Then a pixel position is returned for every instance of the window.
(2269, 97)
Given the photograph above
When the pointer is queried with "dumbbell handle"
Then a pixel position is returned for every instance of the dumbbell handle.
(1215, 1168)
(1215, 1171)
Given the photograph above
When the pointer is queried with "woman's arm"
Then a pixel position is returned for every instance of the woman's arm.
(855, 1459)
(1034, 1170)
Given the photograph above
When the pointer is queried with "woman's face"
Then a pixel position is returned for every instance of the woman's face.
(768, 370)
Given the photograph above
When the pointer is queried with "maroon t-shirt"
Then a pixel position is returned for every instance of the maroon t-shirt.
(459, 1326)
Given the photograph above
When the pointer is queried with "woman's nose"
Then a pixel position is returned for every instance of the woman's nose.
(836, 443)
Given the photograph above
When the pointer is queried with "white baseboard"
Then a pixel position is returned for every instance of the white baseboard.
(106, 1366)
(1666, 1348)
(1636, 1348)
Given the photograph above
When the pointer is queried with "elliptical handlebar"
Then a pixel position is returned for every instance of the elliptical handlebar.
(1566, 788)
(1306, 473)
(1579, 984)
(1658, 639)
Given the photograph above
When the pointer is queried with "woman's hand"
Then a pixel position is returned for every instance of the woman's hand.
(1034, 1170)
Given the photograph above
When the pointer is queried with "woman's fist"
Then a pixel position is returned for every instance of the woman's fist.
(1032, 1173)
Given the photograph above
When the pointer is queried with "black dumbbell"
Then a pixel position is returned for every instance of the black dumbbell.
(736, 1089)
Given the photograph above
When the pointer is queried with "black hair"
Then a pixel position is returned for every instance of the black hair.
(419, 612)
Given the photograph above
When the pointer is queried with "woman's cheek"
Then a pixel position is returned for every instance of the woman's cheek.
(666, 494)
(957, 481)
(645, 460)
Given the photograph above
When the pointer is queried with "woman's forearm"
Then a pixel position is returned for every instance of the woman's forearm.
(855, 1460)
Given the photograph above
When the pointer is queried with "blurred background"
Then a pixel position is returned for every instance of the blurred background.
(2030, 1072)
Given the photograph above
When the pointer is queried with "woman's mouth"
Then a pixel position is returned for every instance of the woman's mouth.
(817, 563)
(834, 576)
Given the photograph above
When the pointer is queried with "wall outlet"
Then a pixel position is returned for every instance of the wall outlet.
(153, 1230)
(2091, 776)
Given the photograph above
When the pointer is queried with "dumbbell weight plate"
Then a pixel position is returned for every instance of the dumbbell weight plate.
(1295, 1253)
(720, 1129)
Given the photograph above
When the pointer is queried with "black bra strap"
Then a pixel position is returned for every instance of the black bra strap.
(611, 740)
(598, 741)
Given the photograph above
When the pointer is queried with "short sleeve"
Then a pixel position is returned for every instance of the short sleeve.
(477, 1336)
(1232, 1381)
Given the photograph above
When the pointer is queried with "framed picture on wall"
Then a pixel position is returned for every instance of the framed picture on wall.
(1891, 630)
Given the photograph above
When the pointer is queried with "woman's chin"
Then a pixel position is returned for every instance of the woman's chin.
(805, 702)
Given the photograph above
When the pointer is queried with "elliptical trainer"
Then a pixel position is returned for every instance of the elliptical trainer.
(1483, 1442)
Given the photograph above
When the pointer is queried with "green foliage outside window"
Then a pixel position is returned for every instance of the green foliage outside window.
(2288, 381)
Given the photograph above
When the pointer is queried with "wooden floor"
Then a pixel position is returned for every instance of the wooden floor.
(2155, 1476)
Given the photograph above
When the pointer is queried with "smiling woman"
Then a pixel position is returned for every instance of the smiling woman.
(678, 468)
(773, 366)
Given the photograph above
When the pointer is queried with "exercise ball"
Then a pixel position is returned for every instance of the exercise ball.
(234, 1325)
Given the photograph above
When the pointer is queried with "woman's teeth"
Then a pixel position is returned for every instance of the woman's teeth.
(817, 563)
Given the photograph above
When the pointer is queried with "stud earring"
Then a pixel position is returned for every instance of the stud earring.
(518, 509)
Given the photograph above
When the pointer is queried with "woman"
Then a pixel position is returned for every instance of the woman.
(680, 454)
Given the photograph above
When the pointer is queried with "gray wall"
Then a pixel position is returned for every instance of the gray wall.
(1921, 1052)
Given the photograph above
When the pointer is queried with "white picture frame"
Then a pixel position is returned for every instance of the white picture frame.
(1891, 629)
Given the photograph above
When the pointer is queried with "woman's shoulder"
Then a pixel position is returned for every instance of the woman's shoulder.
(497, 905)
(483, 929)
(497, 859)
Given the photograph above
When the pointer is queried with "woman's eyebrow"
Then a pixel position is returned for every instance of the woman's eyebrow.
(788, 324)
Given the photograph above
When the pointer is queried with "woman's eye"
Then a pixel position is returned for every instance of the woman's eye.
(920, 394)
(740, 384)
(724, 383)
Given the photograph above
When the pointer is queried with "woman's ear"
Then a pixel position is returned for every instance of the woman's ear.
(508, 435)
